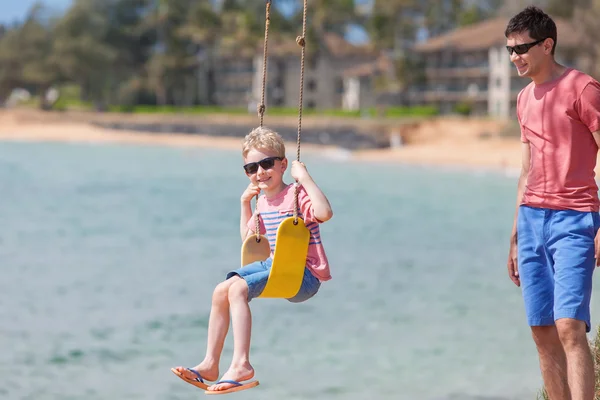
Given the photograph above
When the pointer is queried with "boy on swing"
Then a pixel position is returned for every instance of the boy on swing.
(265, 164)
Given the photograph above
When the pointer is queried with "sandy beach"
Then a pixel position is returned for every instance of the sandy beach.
(451, 141)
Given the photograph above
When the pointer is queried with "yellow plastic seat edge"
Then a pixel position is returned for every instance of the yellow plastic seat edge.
(253, 251)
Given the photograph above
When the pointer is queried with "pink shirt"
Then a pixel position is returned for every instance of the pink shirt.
(273, 211)
(557, 119)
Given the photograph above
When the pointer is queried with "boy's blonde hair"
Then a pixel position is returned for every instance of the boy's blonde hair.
(262, 138)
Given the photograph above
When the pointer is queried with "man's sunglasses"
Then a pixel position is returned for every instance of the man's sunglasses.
(265, 163)
(523, 48)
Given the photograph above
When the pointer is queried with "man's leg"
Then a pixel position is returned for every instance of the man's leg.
(580, 364)
(553, 363)
(572, 247)
(537, 284)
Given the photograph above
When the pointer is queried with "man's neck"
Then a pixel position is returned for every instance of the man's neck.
(553, 71)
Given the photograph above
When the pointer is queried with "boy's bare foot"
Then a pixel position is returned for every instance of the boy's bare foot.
(234, 373)
(207, 372)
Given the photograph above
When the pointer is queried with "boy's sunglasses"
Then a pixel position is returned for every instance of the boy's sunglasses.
(523, 48)
(265, 163)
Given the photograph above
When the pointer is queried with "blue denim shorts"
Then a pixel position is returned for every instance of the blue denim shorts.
(257, 274)
(556, 263)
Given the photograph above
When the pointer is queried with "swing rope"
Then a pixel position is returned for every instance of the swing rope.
(301, 41)
(262, 107)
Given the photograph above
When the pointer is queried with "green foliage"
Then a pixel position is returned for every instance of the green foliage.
(542, 395)
(463, 108)
(70, 98)
(26, 56)
(123, 53)
(417, 111)
(391, 112)
(470, 16)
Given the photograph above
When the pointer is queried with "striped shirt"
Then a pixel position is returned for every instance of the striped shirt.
(274, 210)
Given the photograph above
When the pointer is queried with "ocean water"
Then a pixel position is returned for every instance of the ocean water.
(109, 255)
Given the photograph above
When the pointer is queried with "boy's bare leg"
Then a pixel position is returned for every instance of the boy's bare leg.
(241, 319)
(218, 325)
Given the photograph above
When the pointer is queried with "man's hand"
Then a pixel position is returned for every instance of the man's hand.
(513, 268)
(597, 247)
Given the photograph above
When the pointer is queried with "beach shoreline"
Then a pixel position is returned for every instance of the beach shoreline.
(440, 142)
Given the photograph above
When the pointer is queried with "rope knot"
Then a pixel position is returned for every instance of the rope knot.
(300, 40)
(261, 109)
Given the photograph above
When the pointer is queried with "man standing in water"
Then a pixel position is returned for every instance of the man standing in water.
(554, 245)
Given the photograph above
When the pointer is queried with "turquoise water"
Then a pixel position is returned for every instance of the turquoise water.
(109, 256)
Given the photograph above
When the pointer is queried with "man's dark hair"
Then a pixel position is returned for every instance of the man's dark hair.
(537, 23)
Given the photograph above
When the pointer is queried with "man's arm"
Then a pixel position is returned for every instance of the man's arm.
(525, 164)
(596, 136)
(513, 268)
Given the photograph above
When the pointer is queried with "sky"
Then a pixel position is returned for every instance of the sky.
(13, 10)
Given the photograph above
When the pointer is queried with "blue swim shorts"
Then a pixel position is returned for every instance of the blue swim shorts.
(256, 275)
(556, 263)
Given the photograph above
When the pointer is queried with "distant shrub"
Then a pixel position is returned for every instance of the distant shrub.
(463, 109)
(390, 112)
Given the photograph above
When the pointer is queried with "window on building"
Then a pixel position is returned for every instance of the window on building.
(339, 85)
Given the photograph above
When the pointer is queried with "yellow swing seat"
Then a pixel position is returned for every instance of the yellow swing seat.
(289, 259)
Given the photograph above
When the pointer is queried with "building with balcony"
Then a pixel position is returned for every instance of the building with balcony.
(323, 72)
(363, 83)
(235, 80)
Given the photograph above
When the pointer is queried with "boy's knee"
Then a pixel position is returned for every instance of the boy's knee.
(221, 292)
(238, 289)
